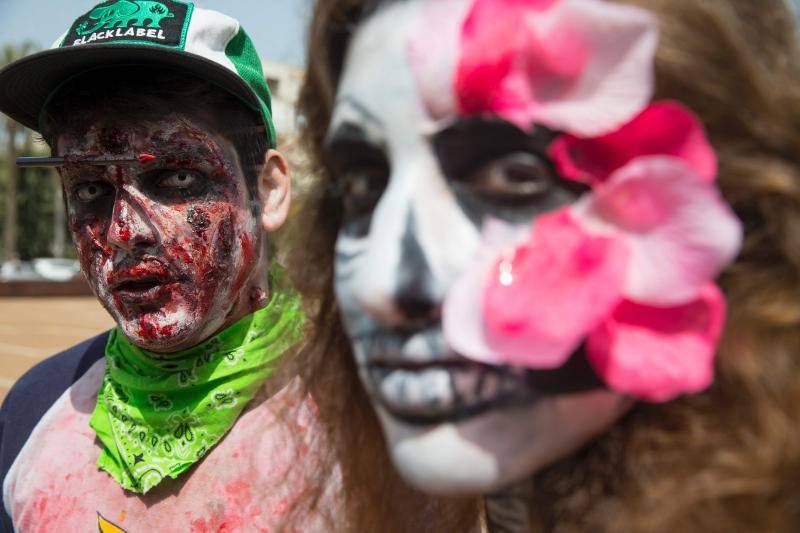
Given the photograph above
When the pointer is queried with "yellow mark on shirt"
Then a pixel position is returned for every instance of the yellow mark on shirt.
(104, 526)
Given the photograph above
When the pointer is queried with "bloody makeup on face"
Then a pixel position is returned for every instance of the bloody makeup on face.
(171, 244)
(168, 245)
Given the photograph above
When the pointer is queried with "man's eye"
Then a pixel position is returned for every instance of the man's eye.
(181, 179)
(520, 175)
(88, 192)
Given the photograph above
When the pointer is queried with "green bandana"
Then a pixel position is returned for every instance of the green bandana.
(157, 417)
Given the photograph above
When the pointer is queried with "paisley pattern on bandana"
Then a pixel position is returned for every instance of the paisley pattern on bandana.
(156, 417)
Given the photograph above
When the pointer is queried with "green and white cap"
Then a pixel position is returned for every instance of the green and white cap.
(163, 33)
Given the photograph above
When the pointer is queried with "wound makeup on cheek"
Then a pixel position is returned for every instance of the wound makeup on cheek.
(93, 253)
(248, 255)
(89, 229)
(198, 219)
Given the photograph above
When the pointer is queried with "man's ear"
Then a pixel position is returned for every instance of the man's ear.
(274, 190)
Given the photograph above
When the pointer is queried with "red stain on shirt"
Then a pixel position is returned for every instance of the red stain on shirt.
(240, 490)
(248, 482)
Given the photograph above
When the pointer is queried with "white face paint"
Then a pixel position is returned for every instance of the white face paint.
(452, 426)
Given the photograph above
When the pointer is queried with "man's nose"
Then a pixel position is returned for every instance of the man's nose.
(130, 228)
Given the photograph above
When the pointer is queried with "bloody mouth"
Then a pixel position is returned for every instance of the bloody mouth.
(145, 291)
(146, 284)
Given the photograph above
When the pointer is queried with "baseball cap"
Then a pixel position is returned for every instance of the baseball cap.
(154, 33)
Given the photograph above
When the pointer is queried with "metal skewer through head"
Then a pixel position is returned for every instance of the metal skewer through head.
(60, 161)
(40, 161)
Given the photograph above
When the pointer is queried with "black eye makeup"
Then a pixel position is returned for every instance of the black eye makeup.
(177, 179)
(473, 148)
(167, 185)
(496, 168)
(175, 185)
(360, 169)
(88, 192)
(517, 177)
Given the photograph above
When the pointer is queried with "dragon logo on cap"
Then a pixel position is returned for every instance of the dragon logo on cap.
(124, 13)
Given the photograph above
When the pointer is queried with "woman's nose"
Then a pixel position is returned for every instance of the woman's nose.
(400, 290)
(415, 294)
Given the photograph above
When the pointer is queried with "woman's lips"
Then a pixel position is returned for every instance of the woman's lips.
(430, 394)
(418, 379)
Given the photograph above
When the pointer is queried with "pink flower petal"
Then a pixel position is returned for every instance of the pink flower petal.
(433, 49)
(540, 304)
(580, 66)
(664, 128)
(462, 316)
(680, 231)
(462, 311)
(656, 353)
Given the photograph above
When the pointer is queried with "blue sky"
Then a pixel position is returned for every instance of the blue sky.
(277, 27)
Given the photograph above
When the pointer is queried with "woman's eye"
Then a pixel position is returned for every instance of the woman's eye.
(181, 179)
(360, 169)
(361, 188)
(520, 176)
(88, 192)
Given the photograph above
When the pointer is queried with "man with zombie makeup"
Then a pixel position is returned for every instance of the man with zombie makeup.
(159, 120)
(530, 236)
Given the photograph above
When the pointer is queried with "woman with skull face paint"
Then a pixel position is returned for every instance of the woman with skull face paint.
(529, 245)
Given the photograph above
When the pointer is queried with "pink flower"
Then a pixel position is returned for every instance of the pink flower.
(659, 353)
(664, 128)
(462, 313)
(681, 233)
(580, 66)
(542, 299)
(580, 275)
(629, 267)
(433, 51)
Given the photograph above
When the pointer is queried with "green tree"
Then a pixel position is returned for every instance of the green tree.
(31, 213)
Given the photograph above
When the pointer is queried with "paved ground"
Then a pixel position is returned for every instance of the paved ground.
(34, 328)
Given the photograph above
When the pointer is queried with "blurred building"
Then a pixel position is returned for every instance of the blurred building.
(284, 84)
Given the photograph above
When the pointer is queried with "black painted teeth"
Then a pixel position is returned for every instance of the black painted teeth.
(447, 392)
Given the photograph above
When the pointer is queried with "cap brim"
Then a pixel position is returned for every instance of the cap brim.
(26, 84)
